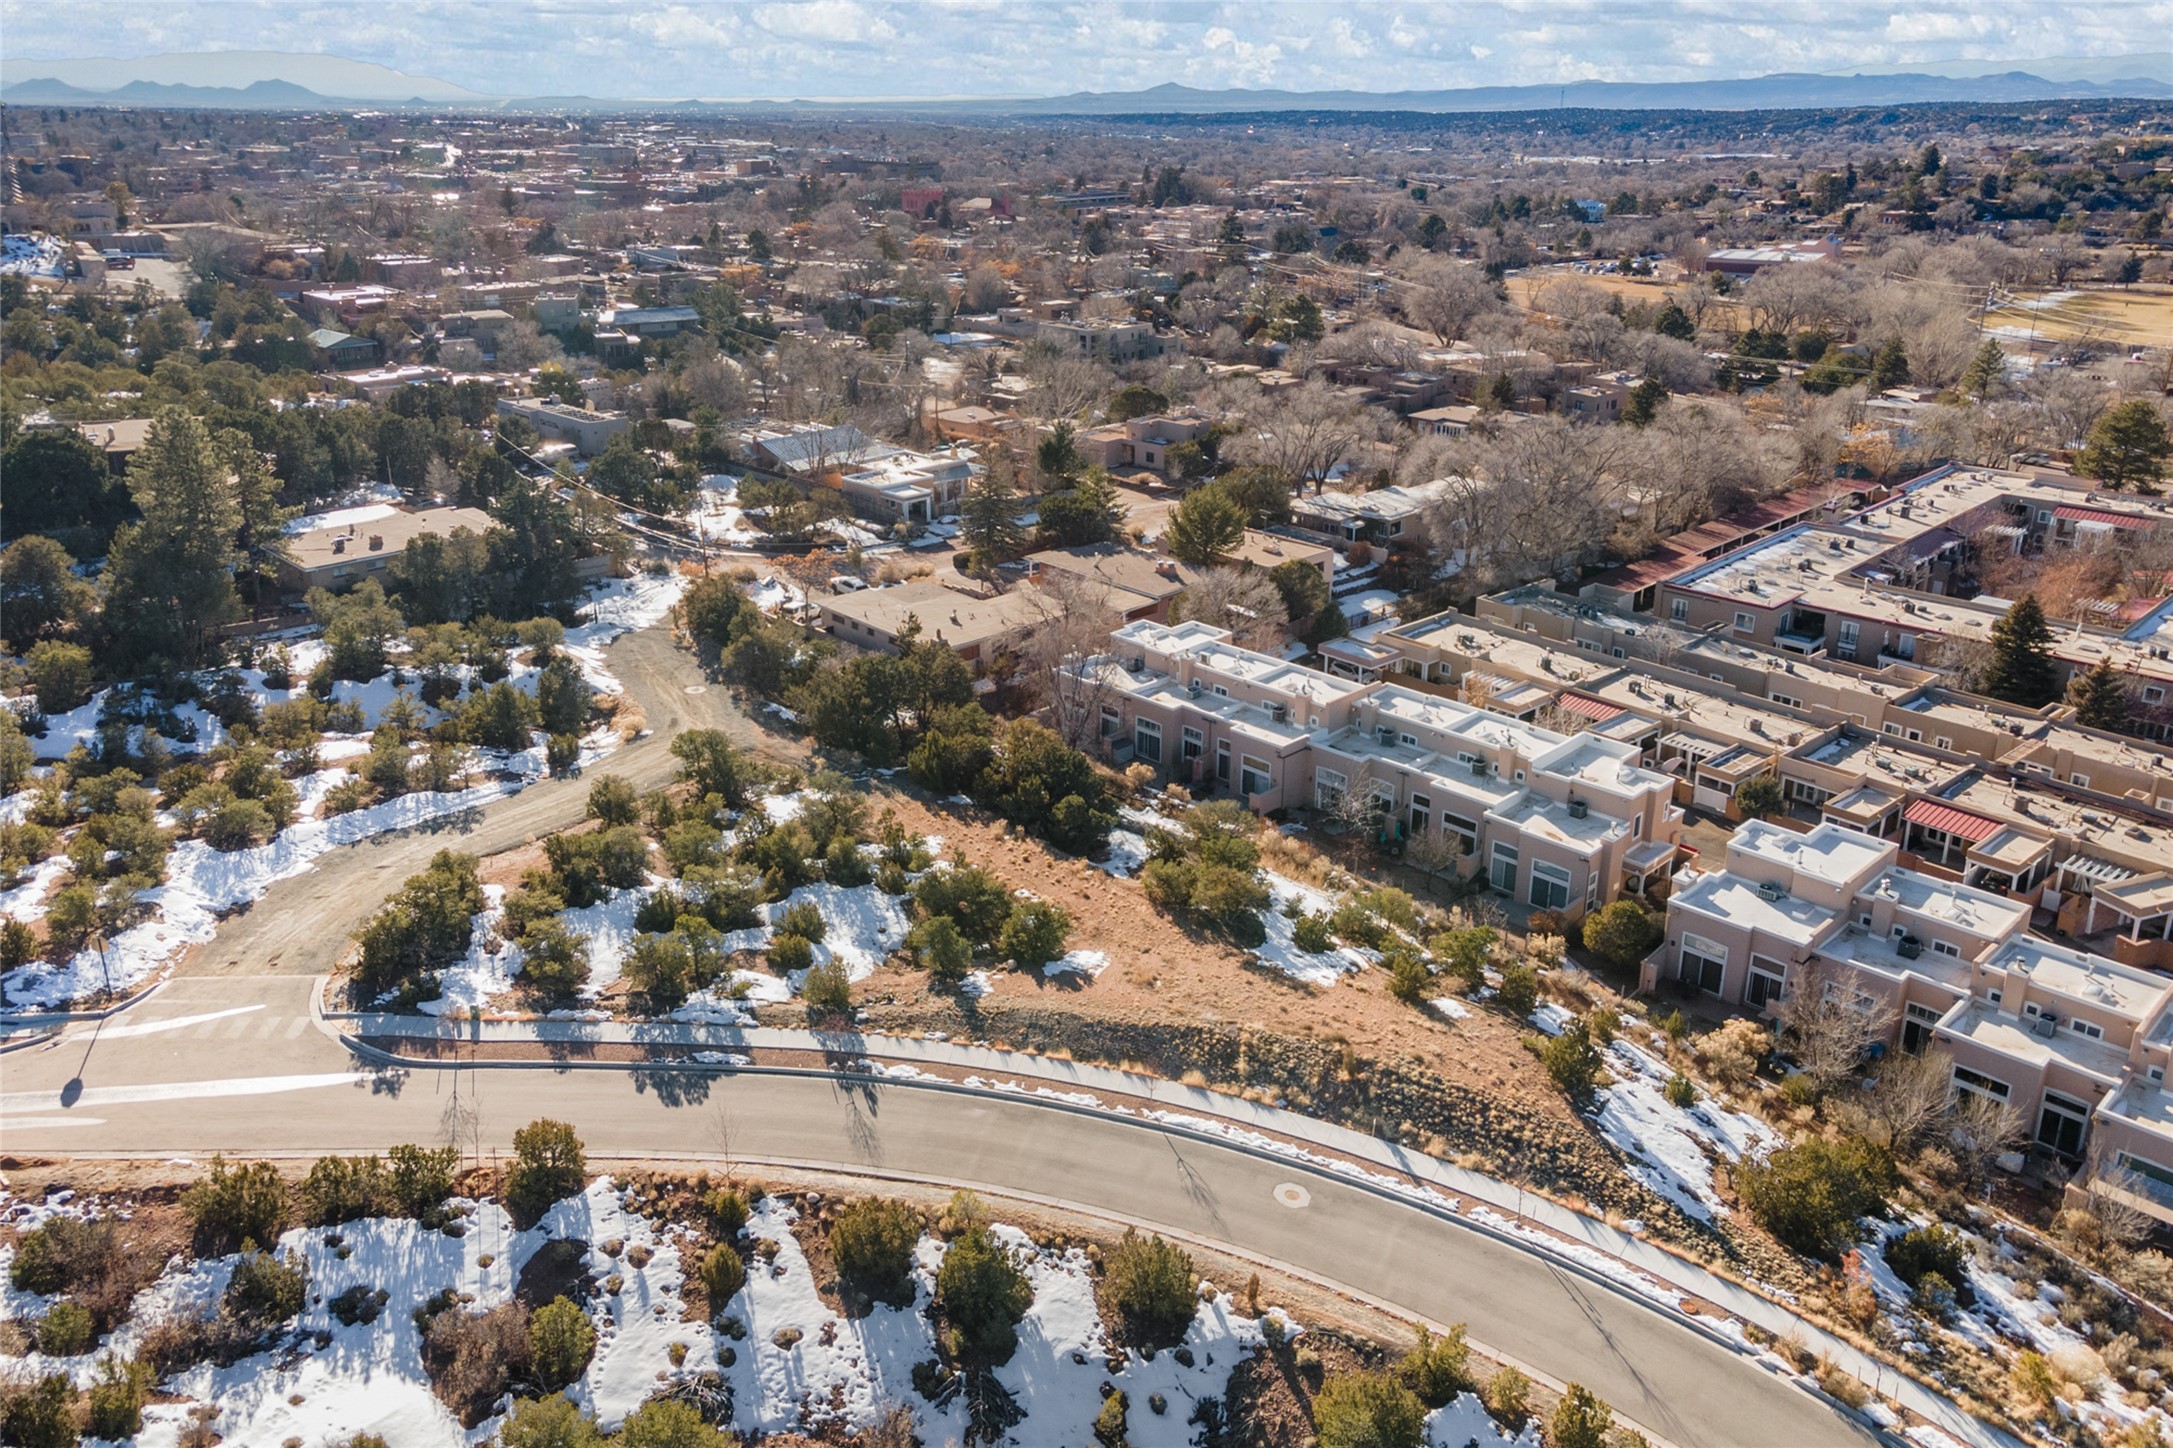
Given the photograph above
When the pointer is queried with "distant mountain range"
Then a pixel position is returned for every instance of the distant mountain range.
(269, 81)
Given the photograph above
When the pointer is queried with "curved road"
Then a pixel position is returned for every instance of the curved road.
(239, 1066)
(302, 925)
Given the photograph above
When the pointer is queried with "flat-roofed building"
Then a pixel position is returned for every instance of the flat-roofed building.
(338, 550)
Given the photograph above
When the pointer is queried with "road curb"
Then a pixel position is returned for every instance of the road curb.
(61, 1019)
(1561, 1260)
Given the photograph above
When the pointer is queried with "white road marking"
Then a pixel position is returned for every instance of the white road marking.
(152, 1028)
(32, 1123)
(176, 1091)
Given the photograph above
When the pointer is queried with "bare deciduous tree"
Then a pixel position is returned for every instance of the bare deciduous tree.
(1243, 600)
(1828, 1026)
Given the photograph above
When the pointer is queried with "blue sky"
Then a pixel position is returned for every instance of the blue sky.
(874, 48)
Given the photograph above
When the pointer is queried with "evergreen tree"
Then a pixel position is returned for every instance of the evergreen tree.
(169, 579)
(1673, 321)
(1205, 528)
(1645, 402)
(2127, 446)
(1503, 392)
(2100, 697)
(989, 518)
(2022, 670)
(1890, 368)
(1987, 370)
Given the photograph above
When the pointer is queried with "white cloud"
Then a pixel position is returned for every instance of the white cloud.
(841, 22)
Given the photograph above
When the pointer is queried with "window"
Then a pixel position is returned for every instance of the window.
(1679, 609)
(1147, 741)
(1893, 729)
(1846, 645)
(2085, 1028)
(1253, 777)
(1504, 876)
(1942, 947)
(1916, 1027)
(2080, 781)
(1703, 963)
(1941, 741)
(1979, 1084)
(1221, 692)
(2062, 1124)
(1550, 886)
(1422, 813)
(2153, 694)
(1408, 739)
(1789, 700)
(1190, 744)
(2149, 1171)
(1745, 622)
(1592, 890)
(1462, 829)
(1112, 722)
(1222, 761)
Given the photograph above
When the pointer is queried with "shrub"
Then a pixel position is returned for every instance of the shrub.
(1311, 934)
(233, 1205)
(342, 1189)
(666, 1423)
(264, 1291)
(1154, 1287)
(41, 1415)
(1438, 1368)
(1215, 898)
(1572, 1061)
(1580, 1420)
(983, 1295)
(614, 801)
(1622, 933)
(1463, 953)
(827, 989)
(872, 1242)
(116, 1399)
(727, 1211)
(424, 927)
(66, 1330)
(1519, 989)
(1408, 979)
(941, 950)
(554, 960)
(723, 1274)
(64, 1255)
(561, 1340)
(1920, 1250)
(358, 1304)
(1109, 1424)
(802, 918)
(1035, 933)
(1681, 1092)
(548, 1163)
(474, 1357)
(844, 864)
(420, 1178)
(551, 1422)
(1731, 1054)
(1366, 1410)
(789, 953)
(977, 902)
(1509, 1397)
(1810, 1195)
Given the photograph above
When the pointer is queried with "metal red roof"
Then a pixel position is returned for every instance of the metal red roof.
(2099, 515)
(1591, 708)
(1961, 823)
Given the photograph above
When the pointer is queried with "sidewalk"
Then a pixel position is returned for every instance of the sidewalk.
(1605, 1250)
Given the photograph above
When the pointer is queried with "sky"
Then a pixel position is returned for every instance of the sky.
(879, 48)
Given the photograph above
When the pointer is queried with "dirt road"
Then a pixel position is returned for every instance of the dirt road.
(302, 925)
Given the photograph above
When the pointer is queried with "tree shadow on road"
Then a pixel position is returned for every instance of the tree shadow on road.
(673, 1085)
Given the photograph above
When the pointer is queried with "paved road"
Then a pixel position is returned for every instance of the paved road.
(238, 1066)
(302, 925)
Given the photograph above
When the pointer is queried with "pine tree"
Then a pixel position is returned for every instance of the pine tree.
(169, 579)
(1504, 391)
(2128, 445)
(2022, 670)
(1206, 527)
(2100, 697)
(1645, 402)
(1891, 367)
(1987, 370)
(989, 518)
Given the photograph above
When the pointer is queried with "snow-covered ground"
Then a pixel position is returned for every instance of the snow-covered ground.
(202, 884)
(1281, 949)
(791, 1361)
(1672, 1148)
(32, 255)
(716, 514)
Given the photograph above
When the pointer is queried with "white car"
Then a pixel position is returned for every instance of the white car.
(846, 583)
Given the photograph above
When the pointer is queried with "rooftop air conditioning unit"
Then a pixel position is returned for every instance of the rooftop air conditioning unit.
(2044, 1026)
(1668, 700)
(1192, 687)
(1480, 769)
(1386, 733)
(1137, 663)
(1578, 809)
(1280, 713)
(1771, 891)
(1908, 947)
(377, 542)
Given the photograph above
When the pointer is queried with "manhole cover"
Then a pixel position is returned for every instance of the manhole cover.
(1291, 1195)
(697, 688)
